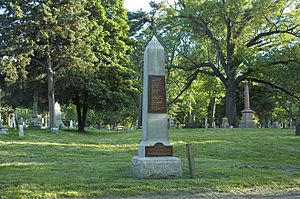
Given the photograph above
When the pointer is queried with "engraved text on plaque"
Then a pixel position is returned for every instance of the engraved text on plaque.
(157, 94)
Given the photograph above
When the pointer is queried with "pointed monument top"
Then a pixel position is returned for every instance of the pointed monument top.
(154, 44)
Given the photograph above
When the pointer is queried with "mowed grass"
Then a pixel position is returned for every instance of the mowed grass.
(98, 163)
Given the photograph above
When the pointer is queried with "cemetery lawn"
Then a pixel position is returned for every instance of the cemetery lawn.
(97, 163)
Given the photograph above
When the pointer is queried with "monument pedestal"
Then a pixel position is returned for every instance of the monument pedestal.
(247, 119)
(156, 167)
(156, 160)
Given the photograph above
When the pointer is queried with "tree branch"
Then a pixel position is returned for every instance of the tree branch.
(38, 62)
(187, 85)
(256, 39)
(274, 86)
(216, 43)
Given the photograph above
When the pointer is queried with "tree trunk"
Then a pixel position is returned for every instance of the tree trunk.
(79, 116)
(290, 112)
(82, 109)
(213, 114)
(231, 102)
(51, 99)
(84, 114)
(140, 114)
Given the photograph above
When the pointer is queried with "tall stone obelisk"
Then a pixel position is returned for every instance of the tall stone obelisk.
(155, 157)
(34, 123)
(247, 113)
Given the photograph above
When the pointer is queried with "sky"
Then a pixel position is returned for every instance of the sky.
(134, 5)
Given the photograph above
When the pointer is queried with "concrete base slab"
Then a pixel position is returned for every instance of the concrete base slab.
(156, 167)
(248, 125)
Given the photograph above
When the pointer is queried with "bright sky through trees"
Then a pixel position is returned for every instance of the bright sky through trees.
(134, 5)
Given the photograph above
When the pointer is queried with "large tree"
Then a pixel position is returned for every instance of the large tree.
(50, 34)
(237, 32)
(108, 85)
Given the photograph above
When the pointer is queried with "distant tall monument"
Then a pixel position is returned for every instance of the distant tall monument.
(247, 113)
(34, 123)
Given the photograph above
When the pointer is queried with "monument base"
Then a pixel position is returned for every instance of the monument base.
(247, 119)
(248, 125)
(156, 167)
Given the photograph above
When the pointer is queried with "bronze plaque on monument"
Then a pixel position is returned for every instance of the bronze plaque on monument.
(158, 150)
(157, 94)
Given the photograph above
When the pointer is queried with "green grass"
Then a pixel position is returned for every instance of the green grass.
(96, 164)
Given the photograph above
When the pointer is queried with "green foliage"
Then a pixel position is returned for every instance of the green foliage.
(82, 45)
(228, 39)
(97, 164)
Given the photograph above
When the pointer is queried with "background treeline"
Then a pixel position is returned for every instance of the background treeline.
(88, 55)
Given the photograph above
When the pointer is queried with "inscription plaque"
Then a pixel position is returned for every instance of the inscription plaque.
(158, 150)
(157, 94)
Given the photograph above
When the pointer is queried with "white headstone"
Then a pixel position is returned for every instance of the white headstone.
(71, 124)
(58, 119)
(21, 128)
(171, 122)
(155, 158)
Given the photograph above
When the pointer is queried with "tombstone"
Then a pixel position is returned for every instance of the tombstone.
(155, 156)
(21, 128)
(171, 122)
(34, 123)
(71, 124)
(3, 130)
(247, 113)
(276, 125)
(225, 123)
(57, 113)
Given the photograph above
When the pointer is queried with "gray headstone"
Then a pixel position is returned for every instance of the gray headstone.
(225, 123)
(155, 157)
(21, 128)
(276, 125)
(171, 122)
